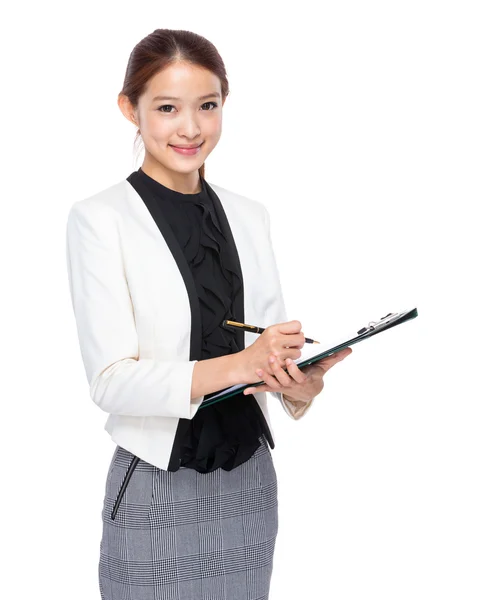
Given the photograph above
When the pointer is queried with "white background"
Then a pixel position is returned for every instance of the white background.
(364, 126)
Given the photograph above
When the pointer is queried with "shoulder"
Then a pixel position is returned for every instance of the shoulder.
(239, 201)
(109, 197)
(100, 205)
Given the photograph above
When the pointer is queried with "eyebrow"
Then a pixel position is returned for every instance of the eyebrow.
(213, 95)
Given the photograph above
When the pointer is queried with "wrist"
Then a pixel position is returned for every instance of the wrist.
(236, 368)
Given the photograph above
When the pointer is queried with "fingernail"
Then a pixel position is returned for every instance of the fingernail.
(272, 359)
(260, 372)
(288, 361)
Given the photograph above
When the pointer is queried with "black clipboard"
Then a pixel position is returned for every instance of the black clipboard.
(373, 328)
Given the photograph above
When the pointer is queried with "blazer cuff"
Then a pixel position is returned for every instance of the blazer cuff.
(296, 409)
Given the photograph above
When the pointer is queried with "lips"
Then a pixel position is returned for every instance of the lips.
(185, 147)
(186, 151)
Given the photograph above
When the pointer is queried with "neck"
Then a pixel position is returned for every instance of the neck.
(185, 183)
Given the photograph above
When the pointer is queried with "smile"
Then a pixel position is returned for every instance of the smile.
(187, 151)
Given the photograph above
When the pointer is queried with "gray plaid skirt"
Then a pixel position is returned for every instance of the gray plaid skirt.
(186, 535)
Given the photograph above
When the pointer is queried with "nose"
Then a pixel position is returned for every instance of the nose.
(189, 126)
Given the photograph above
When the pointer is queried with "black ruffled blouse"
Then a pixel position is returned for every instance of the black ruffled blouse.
(224, 434)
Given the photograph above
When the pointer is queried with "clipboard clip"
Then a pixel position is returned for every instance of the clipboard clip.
(376, 324)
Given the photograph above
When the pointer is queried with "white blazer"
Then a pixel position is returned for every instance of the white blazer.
(136, 305)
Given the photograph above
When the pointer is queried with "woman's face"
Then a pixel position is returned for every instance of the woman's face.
(182, 106)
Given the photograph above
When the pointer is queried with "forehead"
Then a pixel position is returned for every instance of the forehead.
(184, 81)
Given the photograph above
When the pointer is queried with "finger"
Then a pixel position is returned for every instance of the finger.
(330, 361)
(294, 371)
(253, 390)
(280, 375)
(270, 380)
(340, 354)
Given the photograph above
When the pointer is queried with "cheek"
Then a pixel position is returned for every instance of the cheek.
(157, 130)
(216, 128)
(212, 134)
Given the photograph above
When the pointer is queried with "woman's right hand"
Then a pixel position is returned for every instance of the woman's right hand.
(284, 340)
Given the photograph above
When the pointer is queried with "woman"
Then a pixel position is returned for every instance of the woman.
(156, 262)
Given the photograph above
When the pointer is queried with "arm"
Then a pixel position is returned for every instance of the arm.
(296, 409)
(120, 382)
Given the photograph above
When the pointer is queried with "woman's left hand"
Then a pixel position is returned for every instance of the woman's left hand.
(297, 384)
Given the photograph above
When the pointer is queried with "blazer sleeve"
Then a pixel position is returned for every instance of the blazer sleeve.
(295, 409)
(120, 382)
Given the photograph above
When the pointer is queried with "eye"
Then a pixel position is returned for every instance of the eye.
(214, 104)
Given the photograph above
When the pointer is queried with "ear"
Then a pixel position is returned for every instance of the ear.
(127, 109)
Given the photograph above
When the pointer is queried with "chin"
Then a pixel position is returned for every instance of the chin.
(177, 168)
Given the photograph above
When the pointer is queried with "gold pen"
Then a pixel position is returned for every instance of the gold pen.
(254, 329)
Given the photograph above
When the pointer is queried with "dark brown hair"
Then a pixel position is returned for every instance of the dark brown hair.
(161, 48)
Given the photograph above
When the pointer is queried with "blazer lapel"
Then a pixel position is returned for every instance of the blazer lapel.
(154, 207)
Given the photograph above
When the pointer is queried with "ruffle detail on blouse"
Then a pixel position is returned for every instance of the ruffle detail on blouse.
(224, 434)
(208, 258)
